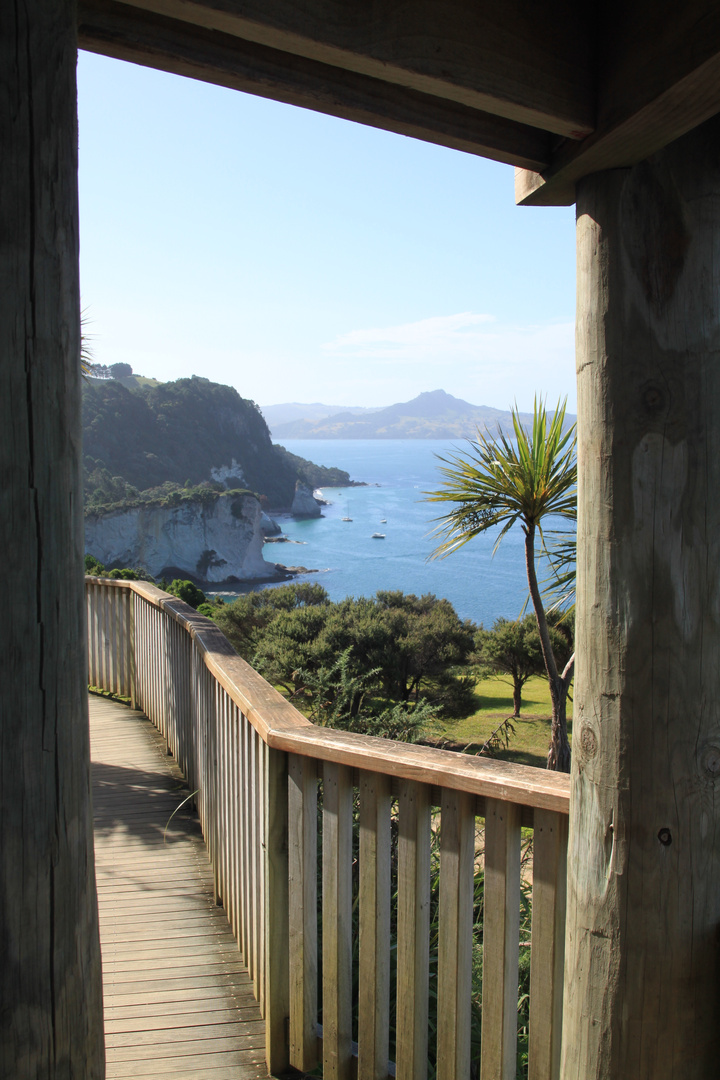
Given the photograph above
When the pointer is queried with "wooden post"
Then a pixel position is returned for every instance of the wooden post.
(642, 977)
(50, 981)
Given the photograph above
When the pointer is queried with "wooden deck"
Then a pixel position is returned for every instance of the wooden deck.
(178, 1000)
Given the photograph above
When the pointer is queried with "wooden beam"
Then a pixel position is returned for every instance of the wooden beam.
(659, 78)
(50, 976)
(114, 29)
(642, 983)
(506, 59)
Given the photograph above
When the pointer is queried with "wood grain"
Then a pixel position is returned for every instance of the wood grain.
(413, 931)
(501, 933)
(642, 980)
(374, 950)
(547, 957)
(303, 844)
(50, 972)
(178, 1000)
(337, 921)
(276, 913)
(457, 871)
(505, 60)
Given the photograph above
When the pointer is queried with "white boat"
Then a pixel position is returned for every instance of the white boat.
(378, 536)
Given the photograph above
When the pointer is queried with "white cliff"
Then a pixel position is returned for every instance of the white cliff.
(213, 539)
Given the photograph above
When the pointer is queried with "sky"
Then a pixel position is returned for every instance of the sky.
(299, 257)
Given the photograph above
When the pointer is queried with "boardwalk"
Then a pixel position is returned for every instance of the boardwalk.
(178, 1000)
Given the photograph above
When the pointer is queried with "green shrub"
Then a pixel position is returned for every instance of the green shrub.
(188, 592)
(210, 610)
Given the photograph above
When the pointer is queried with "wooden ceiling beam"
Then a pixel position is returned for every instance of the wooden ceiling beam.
(659, 78)
(509, 59)
(117, 29)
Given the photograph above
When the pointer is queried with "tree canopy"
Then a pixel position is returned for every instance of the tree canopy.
(394, 655)
(500, 482)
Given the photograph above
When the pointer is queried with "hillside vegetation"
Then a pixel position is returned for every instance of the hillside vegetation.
(158, 437)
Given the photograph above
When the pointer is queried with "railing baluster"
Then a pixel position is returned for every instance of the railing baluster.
(302, 855)
(374, 903)
(501, 932)
(105, 644)
(224, 824)
(413, 931)
(253, 857)
(548, 943)
(457, 875)
(90, 620)
(261, 843)
(276, 913)
(116, 648)
(244, 829)
(233, 815)
(337, 921)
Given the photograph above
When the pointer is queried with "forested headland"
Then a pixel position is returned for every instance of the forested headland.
(144, 441)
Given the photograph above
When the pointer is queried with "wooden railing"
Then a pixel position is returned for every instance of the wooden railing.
(261, 772)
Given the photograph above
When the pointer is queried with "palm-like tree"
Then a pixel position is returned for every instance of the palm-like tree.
(503, 482)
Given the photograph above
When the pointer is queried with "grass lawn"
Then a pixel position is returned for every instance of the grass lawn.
(528, 744)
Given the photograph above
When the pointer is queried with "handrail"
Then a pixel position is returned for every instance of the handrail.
(282, 727)
(397, 828)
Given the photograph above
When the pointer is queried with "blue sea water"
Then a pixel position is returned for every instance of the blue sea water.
(398, 471)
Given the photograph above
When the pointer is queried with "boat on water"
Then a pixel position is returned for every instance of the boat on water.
(383, 521)
(346, 519)
(378, 536)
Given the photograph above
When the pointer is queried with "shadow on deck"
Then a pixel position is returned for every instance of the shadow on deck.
(178, 999)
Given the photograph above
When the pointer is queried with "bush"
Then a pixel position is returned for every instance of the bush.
(188, 592)
(210, 610)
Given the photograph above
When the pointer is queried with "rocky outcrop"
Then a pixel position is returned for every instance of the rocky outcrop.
(231, 475)
(304, 504)
(216, 539)
(269, 526)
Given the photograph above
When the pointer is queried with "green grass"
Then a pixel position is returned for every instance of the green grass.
(528, 744)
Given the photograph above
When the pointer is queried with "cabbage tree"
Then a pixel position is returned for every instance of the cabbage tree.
(501, 481)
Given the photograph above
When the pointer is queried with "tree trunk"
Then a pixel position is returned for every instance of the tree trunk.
(642, 978)
(50, 971)
(559, 753)
(517, 695)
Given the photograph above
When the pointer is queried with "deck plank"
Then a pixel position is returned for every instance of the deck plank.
(178, 999)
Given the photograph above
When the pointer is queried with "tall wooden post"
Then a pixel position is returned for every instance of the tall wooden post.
(51, 1000)
(642, 977)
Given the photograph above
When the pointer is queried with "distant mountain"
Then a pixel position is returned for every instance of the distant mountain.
(275, 415)
(432, 415)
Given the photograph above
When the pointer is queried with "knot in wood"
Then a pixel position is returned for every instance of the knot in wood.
(588, 741)
(665, 837)
(653, 399)
(710, 761)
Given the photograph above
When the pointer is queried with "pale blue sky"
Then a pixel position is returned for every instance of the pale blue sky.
(299, 257)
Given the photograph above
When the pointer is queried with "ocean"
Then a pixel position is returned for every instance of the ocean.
(351, 563)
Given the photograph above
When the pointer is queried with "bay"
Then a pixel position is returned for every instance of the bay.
(351, 563)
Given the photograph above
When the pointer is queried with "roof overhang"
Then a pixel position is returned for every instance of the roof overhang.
(555, 88)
